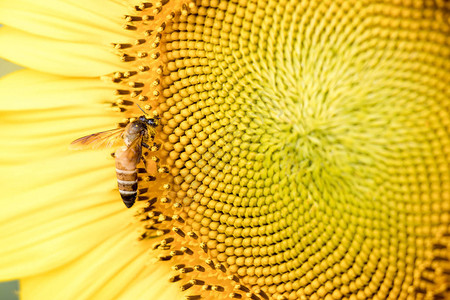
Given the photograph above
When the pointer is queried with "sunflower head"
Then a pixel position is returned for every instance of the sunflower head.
(296, 149)
(303, 146)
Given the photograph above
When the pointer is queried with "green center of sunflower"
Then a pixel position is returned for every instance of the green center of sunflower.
(304, 149)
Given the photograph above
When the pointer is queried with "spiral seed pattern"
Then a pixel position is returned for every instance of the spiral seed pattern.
(305, 147)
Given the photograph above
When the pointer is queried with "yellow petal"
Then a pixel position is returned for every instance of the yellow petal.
(56, 56)
(67, 196)
(21, 141)
(97, 21)
(106, 272)
(154, 286)
(66, 203)
(37, 134)
(29, 89)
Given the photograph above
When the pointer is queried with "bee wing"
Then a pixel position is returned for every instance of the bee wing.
(99, 140)
(130, 155)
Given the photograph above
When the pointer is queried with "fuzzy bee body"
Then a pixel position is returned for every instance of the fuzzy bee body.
(127, 179)
(135, 136)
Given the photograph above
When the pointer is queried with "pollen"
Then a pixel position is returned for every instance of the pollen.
(303, 147)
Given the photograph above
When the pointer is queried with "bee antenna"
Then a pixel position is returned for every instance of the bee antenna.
(141, 109)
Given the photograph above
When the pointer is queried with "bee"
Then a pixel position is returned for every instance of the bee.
(135, 136)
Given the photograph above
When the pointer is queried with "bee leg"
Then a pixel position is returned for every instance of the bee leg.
(145, 145)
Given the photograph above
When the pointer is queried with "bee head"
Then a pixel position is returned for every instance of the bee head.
(153, 122)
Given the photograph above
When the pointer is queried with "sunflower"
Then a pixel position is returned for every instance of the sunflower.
(302, 149)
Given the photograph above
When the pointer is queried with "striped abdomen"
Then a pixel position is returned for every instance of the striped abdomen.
(127, 180)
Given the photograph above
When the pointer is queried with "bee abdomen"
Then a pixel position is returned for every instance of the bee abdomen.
(127, 175)
(128, 184)
(128, 197)
(125, 185)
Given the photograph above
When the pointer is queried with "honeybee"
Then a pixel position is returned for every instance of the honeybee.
(135, 136)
